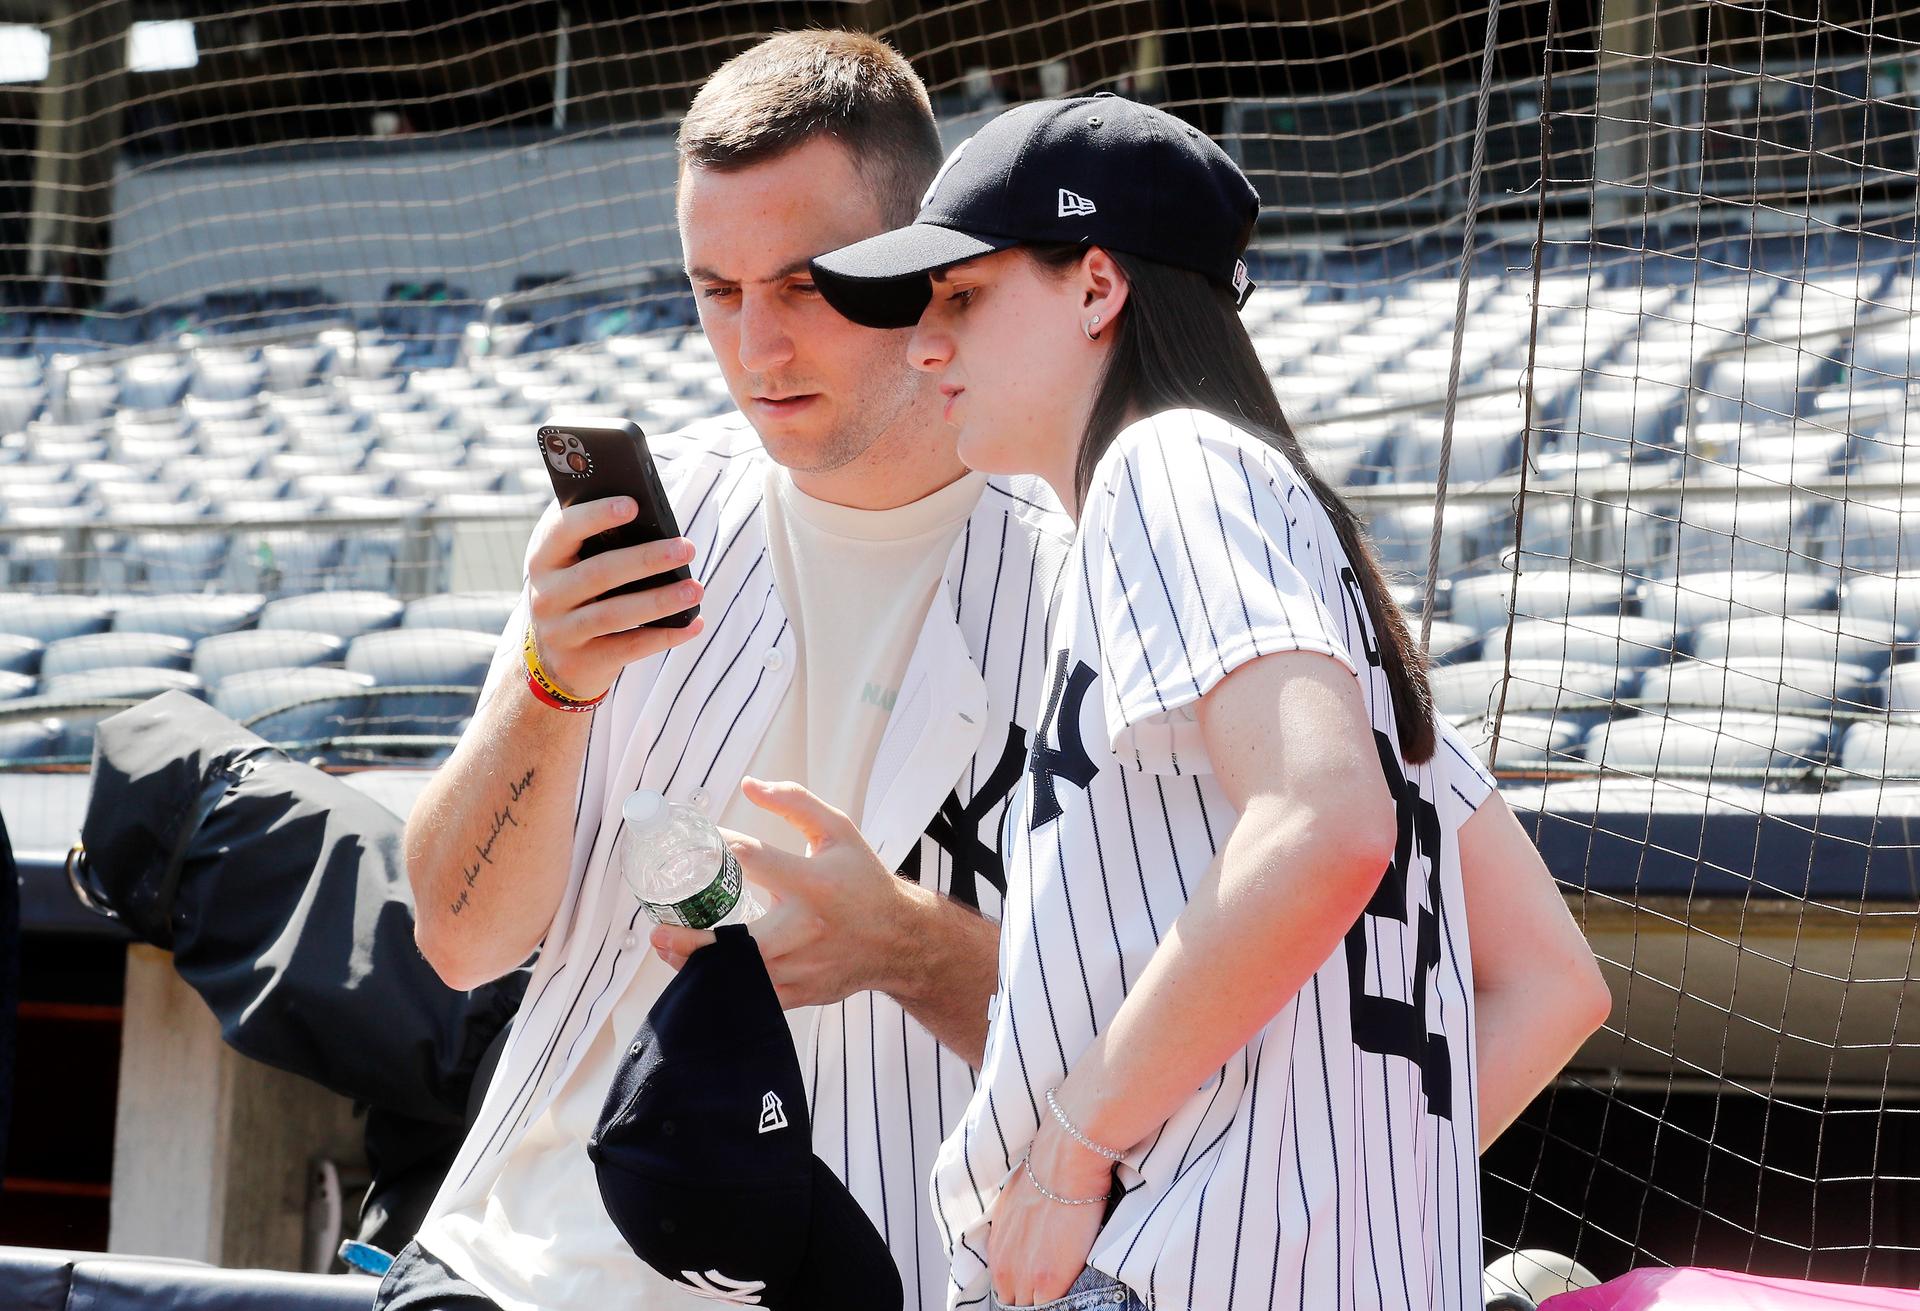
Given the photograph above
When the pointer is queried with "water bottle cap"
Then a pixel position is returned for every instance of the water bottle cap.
(643, 808)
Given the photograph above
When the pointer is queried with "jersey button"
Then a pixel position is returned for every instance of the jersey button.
(773, 659)
(697, 798)
(629, 942)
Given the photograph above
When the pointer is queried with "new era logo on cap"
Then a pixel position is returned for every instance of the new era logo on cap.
(772, 1114)
(1072, 205)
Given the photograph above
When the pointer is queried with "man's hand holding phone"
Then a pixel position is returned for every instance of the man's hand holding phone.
(585, 636)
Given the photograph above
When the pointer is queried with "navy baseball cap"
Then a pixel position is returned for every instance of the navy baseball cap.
(1093, 171)
(704, 1151)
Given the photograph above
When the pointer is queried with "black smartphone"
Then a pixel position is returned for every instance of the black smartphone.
(592, 460)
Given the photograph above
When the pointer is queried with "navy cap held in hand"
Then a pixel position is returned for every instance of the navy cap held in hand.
(704, 1151)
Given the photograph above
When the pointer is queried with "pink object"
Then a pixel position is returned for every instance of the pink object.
(1688, 1289)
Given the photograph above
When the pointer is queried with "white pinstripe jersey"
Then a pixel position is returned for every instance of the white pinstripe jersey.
(686, 724)
(1332, 1162)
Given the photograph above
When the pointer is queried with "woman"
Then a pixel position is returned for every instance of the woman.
(1206, 979)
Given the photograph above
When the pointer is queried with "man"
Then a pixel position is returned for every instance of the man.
(872, 628)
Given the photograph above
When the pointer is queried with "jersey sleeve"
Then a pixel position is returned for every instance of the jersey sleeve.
(1459, 770)
(1204, 561)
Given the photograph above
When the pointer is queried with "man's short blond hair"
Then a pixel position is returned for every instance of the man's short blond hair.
(852, 87)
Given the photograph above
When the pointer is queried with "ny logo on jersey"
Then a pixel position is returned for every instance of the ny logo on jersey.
(713, 1284)
(956, 827)
(1069, 760)
(772, 1114)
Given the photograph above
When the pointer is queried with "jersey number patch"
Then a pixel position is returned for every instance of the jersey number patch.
(1388, 1026)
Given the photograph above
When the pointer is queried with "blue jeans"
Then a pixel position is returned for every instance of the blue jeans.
(1092, 1289)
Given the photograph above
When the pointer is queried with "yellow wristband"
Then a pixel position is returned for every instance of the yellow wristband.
(540, 676)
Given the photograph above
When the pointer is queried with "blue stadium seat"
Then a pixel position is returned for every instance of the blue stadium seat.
(1471, 688)
(1773, 747)
(129, 683)
(244, 696)
(1761, 684)
(1591, 639)
(478, 612)
(345, 614)
(1695, 598)
(1805, 637)
(223, 655)
(194, 616)
(27, 740)
(48, 618)
(443, 656)
(1480, 601)
(14, 685)
(21, 655)
(1877, 751)
(1532, 741)
(1891, 599)
(74, 655)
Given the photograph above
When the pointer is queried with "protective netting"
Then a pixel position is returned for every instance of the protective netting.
(1619, 294)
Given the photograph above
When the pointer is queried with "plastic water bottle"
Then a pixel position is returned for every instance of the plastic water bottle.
(677, 865)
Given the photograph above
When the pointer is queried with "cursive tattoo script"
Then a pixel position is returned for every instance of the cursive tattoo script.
(503, 818)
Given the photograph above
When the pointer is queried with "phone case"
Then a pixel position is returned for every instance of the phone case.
(590, 462)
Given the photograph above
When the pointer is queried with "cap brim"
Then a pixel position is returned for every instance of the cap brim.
(885, 281)
(846, 1263)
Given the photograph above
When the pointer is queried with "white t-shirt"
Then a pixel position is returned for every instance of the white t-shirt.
(1317, 1167)
(857, 584)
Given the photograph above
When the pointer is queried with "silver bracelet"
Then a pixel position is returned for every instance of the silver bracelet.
(1076, 1135)
(1026, 1162)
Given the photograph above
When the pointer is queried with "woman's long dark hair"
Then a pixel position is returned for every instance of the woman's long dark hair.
(1179, 344)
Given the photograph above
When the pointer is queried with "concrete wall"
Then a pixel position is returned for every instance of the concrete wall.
(475, 216)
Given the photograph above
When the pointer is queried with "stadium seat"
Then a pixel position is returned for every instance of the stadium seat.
(1403, 535)
(1890, 599)
(430, 719)
(1766, 747)
(1903, 688)
(223, 655)
(1761, 684)
(21, 655)
(1877, 751)
(433, 483)
(1805, 637)
(485, 612)
(46, 618)
(441, 656)
(1777, 533)
(111, 650)
(1693, 599)
(14, 685)
(1446, 640)
(373, 554)
(130, 683)
(24, 740)
(346, 615)
(244, 696)
(1879, 534)
(194, 616)
(280, 561)
(1530, 741)
(1589, 639)
(1471, 688)
(1480, 601)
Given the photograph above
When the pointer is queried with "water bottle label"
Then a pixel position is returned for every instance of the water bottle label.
(707, 907)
